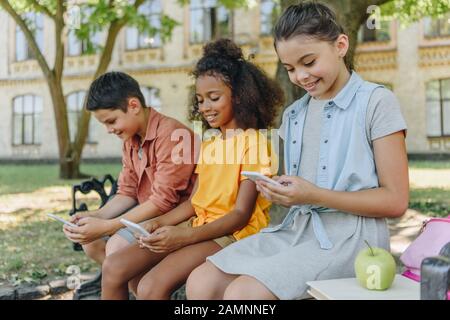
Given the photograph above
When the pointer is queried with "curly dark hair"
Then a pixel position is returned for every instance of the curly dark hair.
(255, 97)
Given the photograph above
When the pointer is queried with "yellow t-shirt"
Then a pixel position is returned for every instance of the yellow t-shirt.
(219, 172)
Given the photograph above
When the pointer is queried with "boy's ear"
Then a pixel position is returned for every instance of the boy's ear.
(134, 105)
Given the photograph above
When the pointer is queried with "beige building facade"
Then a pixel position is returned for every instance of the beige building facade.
(413, 61)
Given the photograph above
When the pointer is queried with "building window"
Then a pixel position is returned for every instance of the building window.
(27, 113)
(35, 21)
(135, 39)
(437, 27)
(438, 108)
(77, 47)
(268, 11)
(152, 99)
(75, 102)
(375, 35)
(208, 21)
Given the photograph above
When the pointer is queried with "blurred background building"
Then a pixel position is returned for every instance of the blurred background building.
(414, 62)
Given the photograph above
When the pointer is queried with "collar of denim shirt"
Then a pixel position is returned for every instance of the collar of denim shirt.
(342, 99)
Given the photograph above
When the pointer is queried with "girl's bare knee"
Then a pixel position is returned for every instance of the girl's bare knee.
(234, 291)
(194, 285)
(95, 250)
(204, 283)
(115, 243)
(247, 288)
(151, 289)
(112, 271)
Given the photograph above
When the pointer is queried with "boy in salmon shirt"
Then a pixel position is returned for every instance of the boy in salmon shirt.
(150, 183)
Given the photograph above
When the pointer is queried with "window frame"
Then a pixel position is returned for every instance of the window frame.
(152, 91)
(439, 35)
(363, 27)
(22, 116)
(441, 108)
(274, 7)
(213, 10)
(77, 113)
(38, 33)
(140, 35)
(82, 45)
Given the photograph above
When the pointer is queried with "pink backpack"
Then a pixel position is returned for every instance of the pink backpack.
(434, 235)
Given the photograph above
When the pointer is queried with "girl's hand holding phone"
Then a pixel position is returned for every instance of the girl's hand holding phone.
(167, 239)
(295, 191)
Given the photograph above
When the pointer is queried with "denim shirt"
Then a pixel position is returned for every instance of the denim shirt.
(346, 160)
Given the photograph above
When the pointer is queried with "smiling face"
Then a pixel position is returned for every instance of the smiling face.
(315, 65)
(214, 102)
(123, 124)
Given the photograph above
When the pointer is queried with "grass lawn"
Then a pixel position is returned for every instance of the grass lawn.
(429, 164)
(430, 187)
(28, 178)
(33, 248)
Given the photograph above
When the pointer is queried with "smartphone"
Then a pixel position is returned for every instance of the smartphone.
(136, 228)
(61, 220)
(255, 176)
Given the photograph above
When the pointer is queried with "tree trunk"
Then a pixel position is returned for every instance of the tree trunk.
(67, 161)
(105, 59)
(83, 124)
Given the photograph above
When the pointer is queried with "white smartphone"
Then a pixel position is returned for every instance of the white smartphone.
(61, 220)
(136, 228)
(255, 176)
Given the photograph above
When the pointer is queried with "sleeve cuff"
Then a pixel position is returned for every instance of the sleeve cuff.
(163, 205)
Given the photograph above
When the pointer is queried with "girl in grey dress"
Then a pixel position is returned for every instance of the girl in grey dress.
(346, 171)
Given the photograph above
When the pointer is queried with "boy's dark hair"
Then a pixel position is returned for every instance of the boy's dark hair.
(112, 91)
(313, 19)
(255, 97)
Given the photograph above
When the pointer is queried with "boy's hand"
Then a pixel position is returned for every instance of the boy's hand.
(79, 215)
(295, 191)
(88, 230)
(167, 239)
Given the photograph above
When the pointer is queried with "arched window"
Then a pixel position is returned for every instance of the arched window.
(36, 23)
(27, 113)
(139, 40)
(74, 107)
(152, 99)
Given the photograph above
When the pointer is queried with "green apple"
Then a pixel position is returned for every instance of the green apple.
(375, 268)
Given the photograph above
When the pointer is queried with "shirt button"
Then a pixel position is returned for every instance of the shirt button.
(324, 167)
(293, 111)
(294, 141)
(295, 122)
(326, 141)
(329, 116)
(295, 166)
(330, 103)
